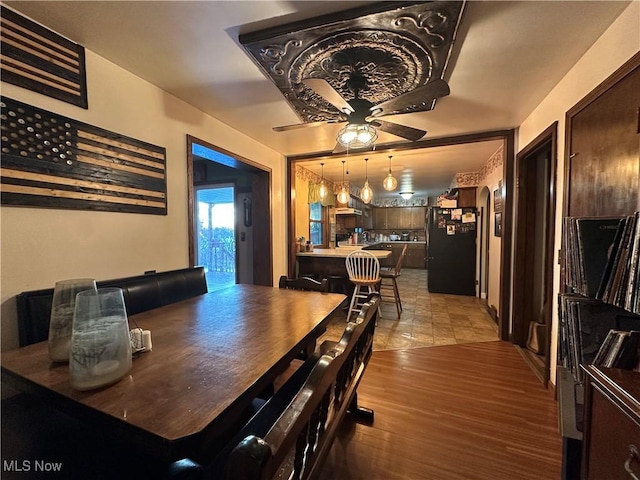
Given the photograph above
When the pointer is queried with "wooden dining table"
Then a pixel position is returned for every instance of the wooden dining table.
(211, 356)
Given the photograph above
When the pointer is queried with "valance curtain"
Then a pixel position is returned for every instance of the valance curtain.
(314, 196)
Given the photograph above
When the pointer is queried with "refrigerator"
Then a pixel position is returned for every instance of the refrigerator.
(451, 250)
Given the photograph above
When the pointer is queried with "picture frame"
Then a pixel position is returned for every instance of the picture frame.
(497, 200)
(497, 229)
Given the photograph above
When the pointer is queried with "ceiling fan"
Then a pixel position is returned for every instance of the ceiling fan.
(363, 116)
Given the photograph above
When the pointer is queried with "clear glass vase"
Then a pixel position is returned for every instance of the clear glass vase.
(100, 342)
(61, 320)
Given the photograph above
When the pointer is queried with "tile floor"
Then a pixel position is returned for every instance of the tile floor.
(427, 319)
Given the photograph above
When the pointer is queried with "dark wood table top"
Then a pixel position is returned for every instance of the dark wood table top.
(211, 356)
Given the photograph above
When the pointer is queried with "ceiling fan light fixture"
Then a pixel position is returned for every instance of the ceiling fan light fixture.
(389, 183)
(366, 194)
(357, 135)
(406, 195)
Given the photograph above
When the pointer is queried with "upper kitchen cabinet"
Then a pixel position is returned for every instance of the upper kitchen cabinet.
(467, 197)
(399, 218)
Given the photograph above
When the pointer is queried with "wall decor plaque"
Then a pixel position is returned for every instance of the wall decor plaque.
(53, 161)
(38, 59)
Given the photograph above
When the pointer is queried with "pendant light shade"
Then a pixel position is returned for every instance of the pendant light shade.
(390, 183)
(343, 195)
(324, 191)
(406, 195)
(366, 193)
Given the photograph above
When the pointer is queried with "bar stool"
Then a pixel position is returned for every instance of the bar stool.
(363, 269)
(392, 274)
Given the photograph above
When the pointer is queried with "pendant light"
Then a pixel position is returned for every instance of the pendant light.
(324, 191)
(343, 196)
(390, 183)
(366, 194)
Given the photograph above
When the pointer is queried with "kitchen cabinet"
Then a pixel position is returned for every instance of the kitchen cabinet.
(399, 218)
(467, 197)
(415, 256)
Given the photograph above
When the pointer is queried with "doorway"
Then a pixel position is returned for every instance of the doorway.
(215, 234)
(533, 260)
(218, 179)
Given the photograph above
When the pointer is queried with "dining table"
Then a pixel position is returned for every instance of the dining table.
(211, 356)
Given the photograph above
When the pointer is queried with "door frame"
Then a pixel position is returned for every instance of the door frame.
(524, 220)
(261, 209)
(508, 139)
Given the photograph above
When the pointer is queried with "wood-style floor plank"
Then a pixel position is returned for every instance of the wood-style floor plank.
(472, 411)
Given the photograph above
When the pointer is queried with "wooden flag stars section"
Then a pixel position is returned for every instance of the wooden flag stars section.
(56, 162)
(40, 60)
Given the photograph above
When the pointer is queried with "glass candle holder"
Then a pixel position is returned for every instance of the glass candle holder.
(100, 343)
(61, 320)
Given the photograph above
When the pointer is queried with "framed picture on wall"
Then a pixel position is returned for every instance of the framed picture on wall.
(497, 230)
(497, 200)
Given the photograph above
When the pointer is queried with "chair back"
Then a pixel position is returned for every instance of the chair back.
(362, 267)
(304, 283)
(400, 261)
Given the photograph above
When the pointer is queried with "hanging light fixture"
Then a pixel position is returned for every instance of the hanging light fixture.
(357, 135)
(324, 191)
(366, 194)
(343, 195)
(406, 195)
(390, 183)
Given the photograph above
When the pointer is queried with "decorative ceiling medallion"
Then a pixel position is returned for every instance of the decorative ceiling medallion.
(396, 46)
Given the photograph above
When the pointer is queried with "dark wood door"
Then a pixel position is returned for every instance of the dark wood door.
(604, 156)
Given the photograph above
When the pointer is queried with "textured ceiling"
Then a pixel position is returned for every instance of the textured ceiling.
(394, 49)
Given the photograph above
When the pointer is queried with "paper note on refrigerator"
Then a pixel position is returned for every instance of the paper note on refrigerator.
(469, 217)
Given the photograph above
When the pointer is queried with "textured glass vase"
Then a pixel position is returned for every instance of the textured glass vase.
(100, 342)
(61, 320)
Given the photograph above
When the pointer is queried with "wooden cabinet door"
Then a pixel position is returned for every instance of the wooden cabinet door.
(415, 256)
(418, 217)
(380, 218)
(467, 197)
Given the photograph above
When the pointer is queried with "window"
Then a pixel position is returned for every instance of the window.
(317, 223)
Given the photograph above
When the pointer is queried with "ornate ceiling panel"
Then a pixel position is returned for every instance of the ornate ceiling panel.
(396, 46)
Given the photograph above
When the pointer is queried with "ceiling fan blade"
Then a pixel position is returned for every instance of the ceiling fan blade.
(296, 126)
(403, 131)
(326, 91)
(426, 93)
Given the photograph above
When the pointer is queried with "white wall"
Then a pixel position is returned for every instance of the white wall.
(40, 246)
(617, 45)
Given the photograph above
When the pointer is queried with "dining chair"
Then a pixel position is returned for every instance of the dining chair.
(363, 269)
(389, 282)
(304, 283)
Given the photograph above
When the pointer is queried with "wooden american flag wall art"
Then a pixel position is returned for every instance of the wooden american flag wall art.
(52, 161)
(35, 58)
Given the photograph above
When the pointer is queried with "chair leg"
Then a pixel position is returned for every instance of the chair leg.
(354, 302)
(396, 293)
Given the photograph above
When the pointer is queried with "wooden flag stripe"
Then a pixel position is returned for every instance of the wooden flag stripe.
(115, 143)
(39, 177)
(50, 192)
(56, 46)
(37, 50)
(26, 70)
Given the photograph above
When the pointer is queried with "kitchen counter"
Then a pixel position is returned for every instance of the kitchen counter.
(342, 252)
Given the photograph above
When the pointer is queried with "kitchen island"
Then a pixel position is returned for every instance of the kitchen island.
(330, 263)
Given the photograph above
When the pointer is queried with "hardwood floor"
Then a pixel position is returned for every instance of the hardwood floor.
(471, 411)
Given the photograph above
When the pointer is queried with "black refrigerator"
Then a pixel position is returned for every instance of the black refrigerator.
(451, 250)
